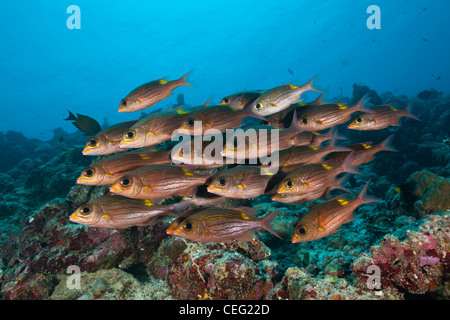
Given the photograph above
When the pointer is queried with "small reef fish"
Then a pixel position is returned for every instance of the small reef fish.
(107, 170)
(242, 182)
(325, 218)
(312, 196)
(108, 140)
(256, 141)
(121, 212)
(241, 100)
(328, 115)
(379, 118)
(315, 176)
(292, 158)
(220, 225)
(86, 124)
(362, 152)
(158, 181)
(153, 129)
(278, 119)
(279, 98)
(150, 93)
(220, 118)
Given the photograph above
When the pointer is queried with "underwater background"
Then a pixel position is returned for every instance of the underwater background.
(48, 68)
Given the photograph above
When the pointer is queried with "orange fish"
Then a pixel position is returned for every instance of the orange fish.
(328, 115)
(220, 225)
(363, 152)
(121, 212)
(313, 177)
(325, 218)
(158, 181)
(107, 170)
(379, 118)
(150, 93)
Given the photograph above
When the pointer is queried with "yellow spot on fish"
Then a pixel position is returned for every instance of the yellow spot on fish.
(319, 122)
(106, 216)
(148, 203)
(244, 216)
(182, 112)
(341, 106)
(366, 146)
(144, 157)
(151, 133)
(326, 166)
(320, 229)
(286, 164)
(343, 202)
(305, 184)
(293, 87)
(186, 172)
(240, 186)
(398, 190)
(316, 133)
(146, 188)
(162, 81)
(393, 109)
(137, 101)
(314, 148)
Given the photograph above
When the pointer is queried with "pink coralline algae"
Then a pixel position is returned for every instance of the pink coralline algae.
(419, 264)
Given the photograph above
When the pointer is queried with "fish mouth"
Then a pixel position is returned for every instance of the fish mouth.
(114, 189)
(170, 231)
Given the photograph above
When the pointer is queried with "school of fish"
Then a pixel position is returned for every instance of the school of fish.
(142, 174)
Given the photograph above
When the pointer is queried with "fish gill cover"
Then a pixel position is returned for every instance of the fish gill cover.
(295, 150)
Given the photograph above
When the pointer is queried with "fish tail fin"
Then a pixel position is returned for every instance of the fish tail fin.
(409, 114)
(361, 105)
(347, 164)
(267, 220)
(184, 80)
(311, 85)
(339, 183)
(71, 116)
(386, 145)
(363, 197)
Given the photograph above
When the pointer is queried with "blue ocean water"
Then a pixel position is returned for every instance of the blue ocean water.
(47, 68)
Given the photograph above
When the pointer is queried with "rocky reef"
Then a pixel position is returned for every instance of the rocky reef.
(404, 239)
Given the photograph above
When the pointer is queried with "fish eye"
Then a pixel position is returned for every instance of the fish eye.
(358, 120)
(222, 182)
(301, 230)
(226, 100)
(304, 121)
(89, 172)
(93, 142)
(188, 226)
(130, 134)
(289, 184)
(258, 106)
(85, 210)
(124, 102)
(125, 183)
(190, 122)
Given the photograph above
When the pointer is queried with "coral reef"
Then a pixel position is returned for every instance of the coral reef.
(406, 236)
